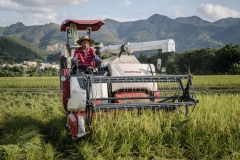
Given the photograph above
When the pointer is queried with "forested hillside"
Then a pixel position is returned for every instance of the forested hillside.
(41, 36)
(15, 50)
(188, 32)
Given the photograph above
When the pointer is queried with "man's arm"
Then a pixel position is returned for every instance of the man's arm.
(95, 57)
(74, 59)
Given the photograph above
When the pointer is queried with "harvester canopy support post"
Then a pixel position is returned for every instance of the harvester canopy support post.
(89, 29)
(68, 36)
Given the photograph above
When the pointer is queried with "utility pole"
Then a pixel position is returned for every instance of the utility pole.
(45, 58)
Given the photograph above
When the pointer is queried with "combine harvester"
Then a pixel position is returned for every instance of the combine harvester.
(119, 83)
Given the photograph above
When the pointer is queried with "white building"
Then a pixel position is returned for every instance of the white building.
(42, 66)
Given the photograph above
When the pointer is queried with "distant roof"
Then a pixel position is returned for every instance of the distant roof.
(82, 24)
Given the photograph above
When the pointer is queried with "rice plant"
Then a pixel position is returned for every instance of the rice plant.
(32, 126)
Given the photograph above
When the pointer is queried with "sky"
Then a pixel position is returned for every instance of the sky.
(40, 12)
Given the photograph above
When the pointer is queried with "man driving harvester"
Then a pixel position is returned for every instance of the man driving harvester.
(85, 58)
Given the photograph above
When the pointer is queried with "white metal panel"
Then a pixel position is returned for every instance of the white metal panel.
(73, 83)
(123, 59)
(133, 70)
(77, 101)
(99, 90)
(81, 127)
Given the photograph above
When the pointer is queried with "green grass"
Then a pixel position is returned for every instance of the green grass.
(29, 82)
(217, 80)
(26, 121)
(32, 126)
(53, 82)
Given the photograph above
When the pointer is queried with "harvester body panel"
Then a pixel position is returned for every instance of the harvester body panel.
(77, 100)
(133, 70)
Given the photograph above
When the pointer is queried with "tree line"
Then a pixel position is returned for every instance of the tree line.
(225, 60)
(17, 71)
(209, 61)
(15, 50)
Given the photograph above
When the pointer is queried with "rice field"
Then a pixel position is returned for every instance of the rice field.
(32, 127)
(29, 82)
(217, 80)
(53, 82)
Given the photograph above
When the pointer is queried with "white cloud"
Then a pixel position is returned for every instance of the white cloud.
(8, 5)
(126, 3)
(178, 11)
(49, 3)
(215, 12)
(37, 5)
(121, 19)
(29, 19)
(34, 12)
(102, 17)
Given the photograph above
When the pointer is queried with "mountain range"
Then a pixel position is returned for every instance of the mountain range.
(187, 32)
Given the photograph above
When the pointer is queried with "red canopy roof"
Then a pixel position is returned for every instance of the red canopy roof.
(82, 24)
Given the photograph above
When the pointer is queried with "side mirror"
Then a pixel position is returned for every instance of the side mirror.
(159, 61)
